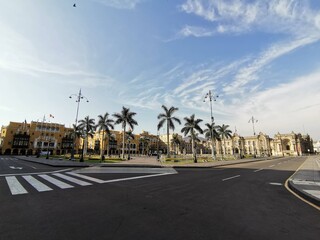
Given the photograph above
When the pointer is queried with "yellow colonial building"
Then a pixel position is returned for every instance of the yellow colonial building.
(32, 138)
(39, 137)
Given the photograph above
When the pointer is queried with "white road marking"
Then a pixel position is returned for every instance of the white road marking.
(313, 192)
(258, 170)
(272, 166)
(86, 177)
(15, 186)
(276, 184)
(230, 178)
(71, 179)
(138, 177)
(13, 167)
(304, 182)
(34, 173)
(56, 182)
(37, 184)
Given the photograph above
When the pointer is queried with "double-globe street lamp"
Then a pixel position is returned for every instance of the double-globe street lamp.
(211, 97)
(78, 97)
(253, 120)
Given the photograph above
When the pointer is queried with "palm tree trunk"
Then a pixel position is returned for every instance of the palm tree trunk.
(81, 158)
(124, 131)
(168, 146)
(224, 146)
(214, 148)
(129, 150)
(108, 147)
(102, 147)
(142, 148)
(193, 151)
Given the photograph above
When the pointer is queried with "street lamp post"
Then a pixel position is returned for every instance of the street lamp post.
(253, 120)
(214, 98)
(78, 97)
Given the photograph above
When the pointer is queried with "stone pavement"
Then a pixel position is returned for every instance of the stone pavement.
(306, 181)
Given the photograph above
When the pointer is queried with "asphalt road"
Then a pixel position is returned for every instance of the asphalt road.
(246, 201)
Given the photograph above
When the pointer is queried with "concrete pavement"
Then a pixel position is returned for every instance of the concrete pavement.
(306, 181)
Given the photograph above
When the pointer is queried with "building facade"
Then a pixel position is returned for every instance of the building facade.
(39, 137)
(35, 137)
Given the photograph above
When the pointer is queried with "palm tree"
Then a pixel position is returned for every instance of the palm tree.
(87, 125)
(212, 134)
(104, 124)
(125, 117)
(168, 117)
(111, 137)
(175, 141)
(129, 137)
(224, 133)
(192, 125)
(76, 133)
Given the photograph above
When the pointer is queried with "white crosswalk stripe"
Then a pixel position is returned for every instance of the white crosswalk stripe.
(37, 184)
(71, 179)
(86, 177)
(15, 186)
(56, 182)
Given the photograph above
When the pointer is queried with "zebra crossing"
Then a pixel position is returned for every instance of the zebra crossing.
(19, 184)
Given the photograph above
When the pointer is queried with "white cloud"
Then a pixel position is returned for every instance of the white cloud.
(188, 31)
(19, 55)
(235, 16)
(289, 105)
(121, 4)
(250, 72)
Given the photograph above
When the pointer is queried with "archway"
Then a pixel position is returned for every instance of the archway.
(7, 151)
(15, 152)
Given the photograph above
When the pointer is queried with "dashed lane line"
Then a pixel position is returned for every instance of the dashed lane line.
(258, 170)
(225, 179)
(275, 184)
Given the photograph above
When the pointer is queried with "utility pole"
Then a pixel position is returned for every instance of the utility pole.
(211, 97)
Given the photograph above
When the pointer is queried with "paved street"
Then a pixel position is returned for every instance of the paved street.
(247, 201)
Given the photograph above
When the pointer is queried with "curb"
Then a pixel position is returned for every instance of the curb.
(53, 164)
(303, 194)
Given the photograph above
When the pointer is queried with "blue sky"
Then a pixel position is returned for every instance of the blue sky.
(260, 56)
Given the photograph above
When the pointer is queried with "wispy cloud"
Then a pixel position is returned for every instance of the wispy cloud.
(295, 19)
(194, 31)
(19, 55)
(250, 72)
(121, 4)
(234, 16)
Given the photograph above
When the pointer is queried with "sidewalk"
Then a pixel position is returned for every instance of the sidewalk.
(53, 162)
(143, 161)
(306, 181)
